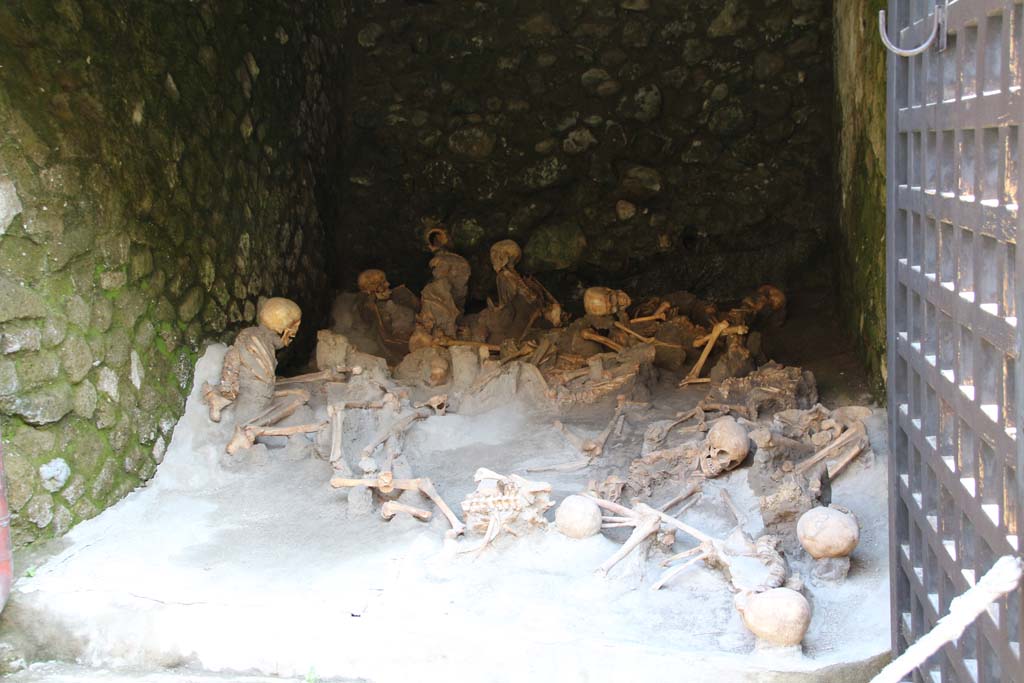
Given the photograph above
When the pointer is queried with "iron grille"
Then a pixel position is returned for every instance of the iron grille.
(954, 291)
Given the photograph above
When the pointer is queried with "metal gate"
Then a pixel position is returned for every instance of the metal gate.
(955, 287)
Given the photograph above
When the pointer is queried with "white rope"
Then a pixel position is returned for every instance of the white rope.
(1002, 578)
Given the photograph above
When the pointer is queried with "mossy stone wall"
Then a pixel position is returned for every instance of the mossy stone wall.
(860, 144)
(160, 165)
(530, 120)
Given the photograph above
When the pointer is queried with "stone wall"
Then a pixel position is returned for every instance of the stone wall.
(159, 171)
(860, 145)
(531, 119)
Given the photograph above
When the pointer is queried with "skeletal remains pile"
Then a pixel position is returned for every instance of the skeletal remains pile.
(404, 359)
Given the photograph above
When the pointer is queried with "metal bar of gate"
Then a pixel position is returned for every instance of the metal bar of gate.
(955, 290)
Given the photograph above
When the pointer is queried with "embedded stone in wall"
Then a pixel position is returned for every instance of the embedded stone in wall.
(641, 182)
(555, 246)
(10, 205)
(54, 474)
(475, 142)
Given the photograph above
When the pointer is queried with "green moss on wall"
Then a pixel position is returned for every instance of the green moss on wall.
(159, 171)
(860, 230)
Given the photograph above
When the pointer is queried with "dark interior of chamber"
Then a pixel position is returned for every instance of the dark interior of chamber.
(651, 147)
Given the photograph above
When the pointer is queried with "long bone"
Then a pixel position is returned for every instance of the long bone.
(646, 521)
(591, 448)
(657, 433)
(245, 435)
(725, 408)
(660, 314)
(336, 413)
(446, 343)
(856, 434)
(693, 376)
(590, 335)
(391, 508)
(834, 472)
(714, 553)
(691, 489)
(646, 340)
(385, 483)
(337, 416)
(397, 428)
(330, 375)
(727, 332)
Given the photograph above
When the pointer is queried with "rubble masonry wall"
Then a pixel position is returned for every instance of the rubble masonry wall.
(159, 171)
(529, 120)
(860, 195)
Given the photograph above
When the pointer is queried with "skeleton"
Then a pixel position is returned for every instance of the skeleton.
(385, 483)
(767, 304)
(248, 378)
(620, 373)
(392, 312)
(392, 436)
(248, 374)
(505, 503)
(442, 300)
(448, 264)
(785, 492)
(724, 448)
(590, 448)
(768, 389)
(521, 301)
(604, 307)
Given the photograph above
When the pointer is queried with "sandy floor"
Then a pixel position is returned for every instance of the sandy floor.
(257, 568)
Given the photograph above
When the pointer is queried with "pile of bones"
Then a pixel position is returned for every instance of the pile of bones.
(394, 359)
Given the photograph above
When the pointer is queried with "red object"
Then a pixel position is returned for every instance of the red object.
(6, 558)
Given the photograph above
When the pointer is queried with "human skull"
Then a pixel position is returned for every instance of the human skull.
(438, 403)
(578, 517)
(775, 296)
(828, 532)
(440, 371)
(779, 616)
(505, 254)
(283, 316)
(605, 301)
(436, 237)
(374, 282)
(553, 314)
(726, 446)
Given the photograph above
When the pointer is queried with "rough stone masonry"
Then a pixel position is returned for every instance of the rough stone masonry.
(706, 123)
(159, 171)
